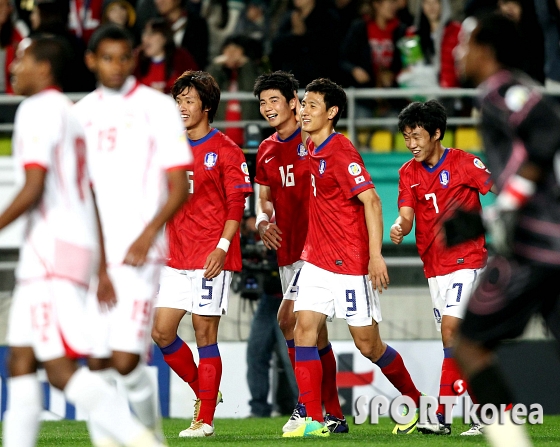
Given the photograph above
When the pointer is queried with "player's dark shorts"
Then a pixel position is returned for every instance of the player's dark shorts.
(510, 292)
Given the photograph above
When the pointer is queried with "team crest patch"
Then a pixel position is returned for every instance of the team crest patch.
(301, 150)
(210, 159)
(244, 168)
(444, 178)
(478, 163)
(322, 166)
(354, 169)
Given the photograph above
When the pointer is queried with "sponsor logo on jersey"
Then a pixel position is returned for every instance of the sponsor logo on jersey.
(210, 160)
(244, 168)
(354, 169)
(322, 166)
(360, 179)
(301, 150)
(444, 178)
(478, 163)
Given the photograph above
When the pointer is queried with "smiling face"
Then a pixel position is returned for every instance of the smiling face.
(314, 115)
(421, 145)
(275, 109)
(190, 106)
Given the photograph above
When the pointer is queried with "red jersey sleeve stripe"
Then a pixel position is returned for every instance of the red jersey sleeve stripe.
(361, 185)
(35, 165)
(183, 167)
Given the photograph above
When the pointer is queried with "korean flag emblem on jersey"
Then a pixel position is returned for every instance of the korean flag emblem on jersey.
(301, 150)
(322, 166)
(444, 178)
(244, 168)
(354, 169)
(210, 160)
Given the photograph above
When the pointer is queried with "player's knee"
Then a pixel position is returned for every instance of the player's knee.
(371, 351)
(125, 364)
(162, 338)
(286, 324)
(21, 361)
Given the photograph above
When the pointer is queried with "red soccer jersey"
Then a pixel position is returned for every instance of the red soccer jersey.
(283, 166)
(455, 182)
(219, 181)
(337, 238)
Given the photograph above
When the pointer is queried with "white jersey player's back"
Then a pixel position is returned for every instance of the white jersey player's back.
(61, 232)
(135, 136)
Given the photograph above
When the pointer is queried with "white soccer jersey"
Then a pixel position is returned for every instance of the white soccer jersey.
(134, 137)
(61, 233)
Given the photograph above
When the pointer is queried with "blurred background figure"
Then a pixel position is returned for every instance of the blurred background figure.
(160, 62)
(254, 24)
(307, 42)
(222, 17)
(12, 31)
(548, 13)
(51, 17)
(190, 30)
(235, 71)
(84, 17)
(121, 13)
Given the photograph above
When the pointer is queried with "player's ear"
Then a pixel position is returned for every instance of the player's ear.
(90, 60)
(437, 135)
(332, 112)
(292, 103)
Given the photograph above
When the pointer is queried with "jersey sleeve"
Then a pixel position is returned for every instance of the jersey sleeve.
(474, 170)
(237, 182)
(171, 140)
(405, 198)
(261, 176)
(36, 135)
(351, 173)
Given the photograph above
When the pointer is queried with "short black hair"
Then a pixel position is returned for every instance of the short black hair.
(333, 94)
(109, 31)
(54, 50)
(429, 115)
(502, 36)
(206, 87)
(279, 80)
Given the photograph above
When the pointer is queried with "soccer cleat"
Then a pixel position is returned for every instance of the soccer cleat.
(440, 428)
(198, 429)
(475, 430)
(406, 429)
(296, 419)
(336, 425)
(219, 400)
(308, 429)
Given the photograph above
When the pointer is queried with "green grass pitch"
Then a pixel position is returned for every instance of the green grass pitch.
(267, 432)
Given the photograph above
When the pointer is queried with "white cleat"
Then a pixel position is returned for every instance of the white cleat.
(475, 430)
(296, 419)
(198, 429)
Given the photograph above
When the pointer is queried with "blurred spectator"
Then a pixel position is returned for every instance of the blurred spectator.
(84, 17)
(548, 13)
(479, 7)
(253, 23)
(235, 71)
(348, 11)
(160, 62)
(438, 36)
(11, 33)
(222, 17)
(190, 31)
(522, 12)
(119, 12)
(370, 57)
(51, 17)
(403, 13)
(307, 42)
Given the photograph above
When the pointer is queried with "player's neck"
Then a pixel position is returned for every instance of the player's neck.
(319, 136)
(287, 128)
(435, 157)
(199, 131)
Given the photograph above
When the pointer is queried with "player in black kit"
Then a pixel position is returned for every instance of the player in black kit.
(520, 128)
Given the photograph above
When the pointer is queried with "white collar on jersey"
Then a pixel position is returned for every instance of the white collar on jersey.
(127, 87)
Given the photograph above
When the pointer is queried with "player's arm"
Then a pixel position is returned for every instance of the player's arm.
(403, 224)
(269, 232)
(215, 261)
(374, 221)
(27, 197)
(178, 192)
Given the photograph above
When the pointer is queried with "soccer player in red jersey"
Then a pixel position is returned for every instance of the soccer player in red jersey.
(344, 268)
(204, 248)
(432, 185)
(283, 178)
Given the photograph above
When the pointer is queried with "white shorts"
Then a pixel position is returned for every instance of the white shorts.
(289, 276)
(127, 327)
(450, 293)
(344, 296)
(50, 316)
(190, 291)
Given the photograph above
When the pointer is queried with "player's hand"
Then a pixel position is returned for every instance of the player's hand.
(396, 234)
(214, 263)
(138, 251)
(106, 295)
(378, 273)
(501, 226)
(270, 235)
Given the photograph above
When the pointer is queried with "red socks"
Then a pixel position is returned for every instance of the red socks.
(392, 365)
(309, 375)
(209, 377)
(450, 373)
(329, 391)
(292, 352)
(180, 359)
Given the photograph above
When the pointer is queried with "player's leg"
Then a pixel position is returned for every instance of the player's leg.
(287, 322)
(173, 301)
(25, 399)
